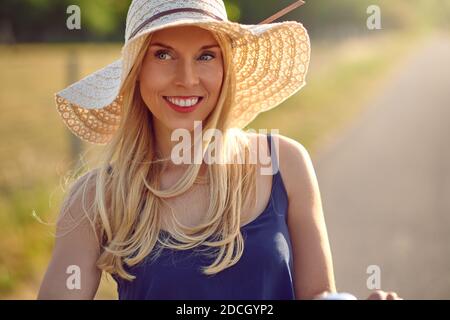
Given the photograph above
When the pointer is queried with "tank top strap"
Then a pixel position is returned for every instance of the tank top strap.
(279, 193)
(273, 154)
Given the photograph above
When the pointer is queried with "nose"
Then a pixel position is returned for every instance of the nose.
(187, 75)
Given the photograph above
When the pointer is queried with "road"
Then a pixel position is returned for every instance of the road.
(385, 183)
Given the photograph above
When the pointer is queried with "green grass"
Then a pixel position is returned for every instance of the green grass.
(34, 155)
(34, 150)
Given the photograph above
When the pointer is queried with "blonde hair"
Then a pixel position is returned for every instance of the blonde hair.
(126, 211)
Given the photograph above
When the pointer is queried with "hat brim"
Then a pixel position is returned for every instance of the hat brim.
(270, 60)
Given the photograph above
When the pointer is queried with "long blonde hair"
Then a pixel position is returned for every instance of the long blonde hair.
(126, 212)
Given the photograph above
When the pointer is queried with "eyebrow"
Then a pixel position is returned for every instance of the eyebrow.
(169, 47)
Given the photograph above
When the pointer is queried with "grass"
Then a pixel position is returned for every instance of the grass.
(34, 149)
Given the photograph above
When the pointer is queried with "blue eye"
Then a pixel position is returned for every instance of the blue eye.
(165, 55)
(207, 55)
(161, 54)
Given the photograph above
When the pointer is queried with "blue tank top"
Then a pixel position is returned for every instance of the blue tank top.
(264, 271)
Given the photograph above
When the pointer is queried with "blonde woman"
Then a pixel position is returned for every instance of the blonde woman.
(192, 230)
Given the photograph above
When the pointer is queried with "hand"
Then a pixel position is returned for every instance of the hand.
(382, 295)
(376, 295)
(327, 295)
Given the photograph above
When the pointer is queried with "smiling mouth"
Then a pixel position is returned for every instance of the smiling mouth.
(184, 102)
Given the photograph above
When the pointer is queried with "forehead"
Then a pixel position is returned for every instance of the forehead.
(184, 34)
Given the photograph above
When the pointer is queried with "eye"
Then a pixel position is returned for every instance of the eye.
(207, 56)
(162, 55)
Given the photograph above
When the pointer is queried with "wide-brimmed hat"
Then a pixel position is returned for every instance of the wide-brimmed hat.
(270, 61)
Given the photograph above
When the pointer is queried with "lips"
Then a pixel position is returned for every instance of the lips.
(183, 104)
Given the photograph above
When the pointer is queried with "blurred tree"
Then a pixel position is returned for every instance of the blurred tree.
(104, 20)
(104, 17)
(233, 9)
(45, 20)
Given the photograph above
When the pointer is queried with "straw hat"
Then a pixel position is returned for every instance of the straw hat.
(270, 61)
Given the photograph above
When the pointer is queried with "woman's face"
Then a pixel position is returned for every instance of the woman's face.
(181, 76)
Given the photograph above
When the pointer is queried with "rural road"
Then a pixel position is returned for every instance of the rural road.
(385, 183)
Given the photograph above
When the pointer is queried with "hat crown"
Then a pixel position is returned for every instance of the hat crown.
(141, 11)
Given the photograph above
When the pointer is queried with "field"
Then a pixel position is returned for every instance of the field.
(34, 148)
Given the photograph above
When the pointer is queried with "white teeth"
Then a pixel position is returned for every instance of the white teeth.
(183, 102)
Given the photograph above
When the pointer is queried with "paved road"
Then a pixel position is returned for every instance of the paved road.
(385, 183)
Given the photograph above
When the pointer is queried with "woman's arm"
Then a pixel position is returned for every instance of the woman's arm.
(72, 272)
(313, 267)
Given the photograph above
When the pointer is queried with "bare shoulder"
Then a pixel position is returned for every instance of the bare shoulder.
(313, 267)
(76, 247)
(83, 188)
(290, 153)
(76, 209)
(295, 164)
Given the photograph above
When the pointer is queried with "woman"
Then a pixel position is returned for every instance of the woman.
(168, 229)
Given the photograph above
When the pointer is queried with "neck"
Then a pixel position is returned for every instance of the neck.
(164, 146)
(163, 143)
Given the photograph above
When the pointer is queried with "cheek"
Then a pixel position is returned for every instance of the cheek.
(152, 80)
(212, 80)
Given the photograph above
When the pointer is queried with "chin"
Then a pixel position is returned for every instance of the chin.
(182, 124)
